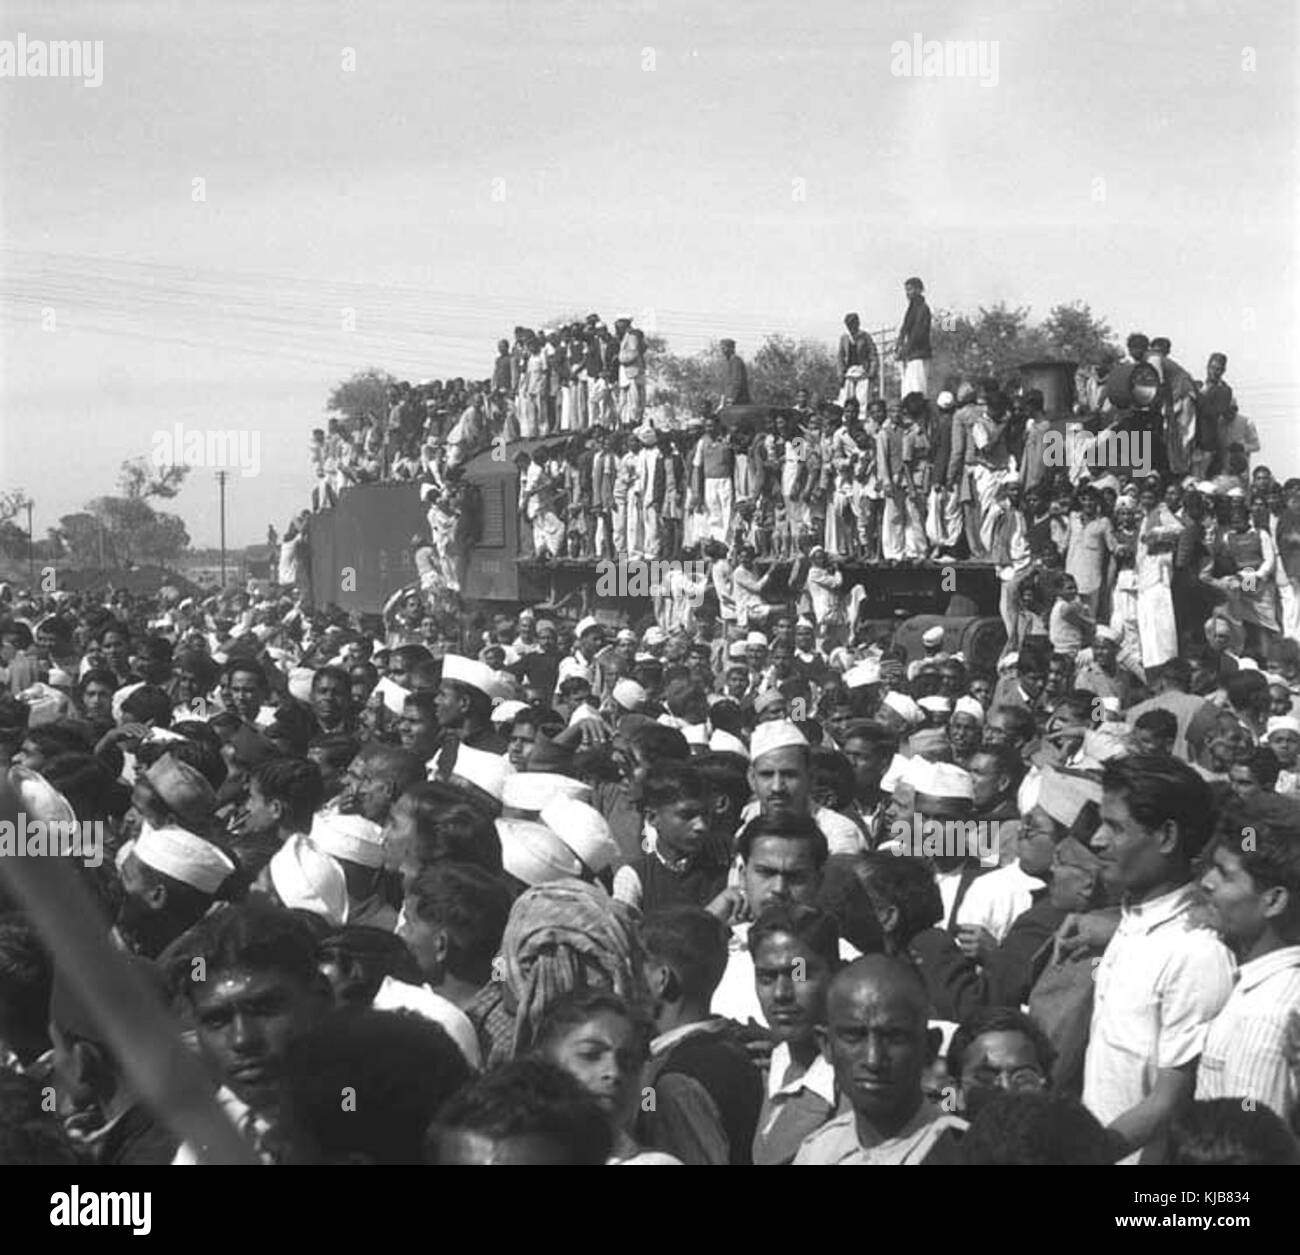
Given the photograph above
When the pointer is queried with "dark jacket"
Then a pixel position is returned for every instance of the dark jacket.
(707, 1099)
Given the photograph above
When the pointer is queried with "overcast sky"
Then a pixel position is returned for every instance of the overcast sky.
(433, 174)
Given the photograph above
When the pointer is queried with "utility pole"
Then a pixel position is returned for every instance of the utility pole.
(222, 476)
(31, 549)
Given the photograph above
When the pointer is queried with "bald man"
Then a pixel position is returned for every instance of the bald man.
(879, 1043)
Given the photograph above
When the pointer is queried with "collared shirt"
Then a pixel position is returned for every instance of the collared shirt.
(837, 1141)
(1162, 979)
(1243, 1055)
(792, 1108)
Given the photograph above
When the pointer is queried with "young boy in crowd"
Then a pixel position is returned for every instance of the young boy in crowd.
(679, 866)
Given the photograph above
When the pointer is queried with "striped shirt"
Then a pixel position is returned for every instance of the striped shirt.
(1244, 1054)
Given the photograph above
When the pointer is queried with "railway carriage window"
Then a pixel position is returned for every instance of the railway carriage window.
(488, 512)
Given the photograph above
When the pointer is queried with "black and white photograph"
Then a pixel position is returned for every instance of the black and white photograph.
(651, 583)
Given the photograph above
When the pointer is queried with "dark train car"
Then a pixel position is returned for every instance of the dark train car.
(492, 572)
(361, 549)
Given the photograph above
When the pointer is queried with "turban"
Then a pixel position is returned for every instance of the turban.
(560, 937)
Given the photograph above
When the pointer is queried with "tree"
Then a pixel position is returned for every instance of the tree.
(991, 345)
(140, 479)
(782, 365)
(365, 393)
(80, 535)
(1074, 334)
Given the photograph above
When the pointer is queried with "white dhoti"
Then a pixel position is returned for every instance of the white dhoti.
(548, 533)
(916, 376)
(719, 497)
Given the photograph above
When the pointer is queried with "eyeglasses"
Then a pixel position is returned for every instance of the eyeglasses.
(1014, 1079)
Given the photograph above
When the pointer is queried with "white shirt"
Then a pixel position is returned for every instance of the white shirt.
(1243, 1055)
(996, 899)
(1162, 979)
(396, 995)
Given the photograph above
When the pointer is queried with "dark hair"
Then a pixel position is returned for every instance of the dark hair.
(26, 976)
(814, 928)
(1020, 723)
(338, 749)
(999, 1020)
(254, 934)
(829, 769)
(671, 782)
(1271, 857)
(692, 943)
(843, 896)
(472, 905)
(1160, 722)
(1264, 766)
(149, 702)
(62, 737)
(1242, 686)
(787, 828)
(656, 742)
(29, 1133)
(97, 675)
(725, 775)
(578, 1007)
(401, 1069)
(907, 884)
(450, 826)
(331, 672)
(882, 739)
(1034, 1128)
(1224, 1131)
(1158, 789)
(295, 783)
(249, 665)
(528, 1098)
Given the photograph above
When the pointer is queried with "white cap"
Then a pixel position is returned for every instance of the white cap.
(940, 780)
(1008, 662)
(863, 674)
(353, 838)
(305, 879)
(932, 635)
(969, 706)
(1282, 723)
(532, 790)
(506, 711)
(583, 711)
(654, 635)
(736, 651)
(1247, 663)
(727, 743)
(630, 695)
(945, 400)
(1105, 633)
(776, 734)
(300, 679)
(531, 852)
(904, 707)
(937, 705)
(896, 773)
(183, 856)
(585, 625)
(477, 767)
(583, 829)
(756, 638)
(393, 694)
(696, 733)
(477, 675)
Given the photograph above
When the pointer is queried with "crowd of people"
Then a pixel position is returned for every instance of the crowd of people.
(744, 881)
